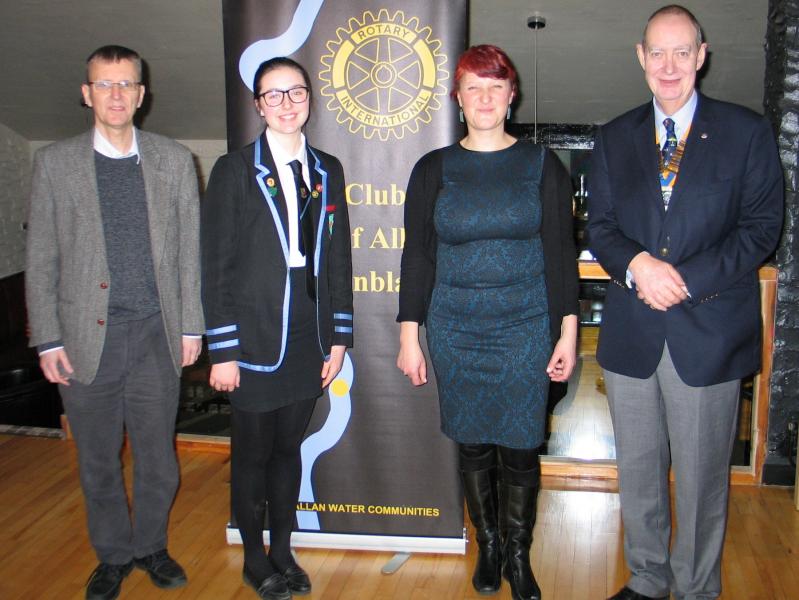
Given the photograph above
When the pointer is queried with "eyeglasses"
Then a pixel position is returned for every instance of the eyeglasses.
(104, 85)
(297, 95)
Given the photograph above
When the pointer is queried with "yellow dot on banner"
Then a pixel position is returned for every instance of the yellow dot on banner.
(339, 387)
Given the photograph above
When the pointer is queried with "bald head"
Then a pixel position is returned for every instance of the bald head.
(677, 10)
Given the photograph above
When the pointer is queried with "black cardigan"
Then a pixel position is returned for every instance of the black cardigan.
(418, 270)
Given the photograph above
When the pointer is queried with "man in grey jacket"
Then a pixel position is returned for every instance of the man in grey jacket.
(113, 291)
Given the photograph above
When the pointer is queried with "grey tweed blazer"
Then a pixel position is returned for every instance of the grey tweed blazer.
(67, 272)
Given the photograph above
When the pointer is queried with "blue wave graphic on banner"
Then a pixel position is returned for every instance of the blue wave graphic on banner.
(287, 43)
(324, 439)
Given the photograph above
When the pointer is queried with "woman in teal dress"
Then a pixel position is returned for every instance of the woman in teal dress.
(489, 267)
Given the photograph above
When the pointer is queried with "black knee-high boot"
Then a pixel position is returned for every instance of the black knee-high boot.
(517, 512)
(480, 489)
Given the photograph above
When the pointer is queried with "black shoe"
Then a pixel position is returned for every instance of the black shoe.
(517, 517)
(106, 581)
(626, 593)
(297, 579)
(163, 570)
(273, 587)
(480, 490)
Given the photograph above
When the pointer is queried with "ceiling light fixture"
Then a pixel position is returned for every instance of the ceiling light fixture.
(535, 23)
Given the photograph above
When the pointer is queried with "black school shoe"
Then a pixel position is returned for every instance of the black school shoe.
(272, 588)
(297, 579)
(106, 581)
(164, 571)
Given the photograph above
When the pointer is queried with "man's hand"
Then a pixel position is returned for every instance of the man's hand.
(225, 376)
(658, 283)
(56, 366)
(332, 366)
(191, 350)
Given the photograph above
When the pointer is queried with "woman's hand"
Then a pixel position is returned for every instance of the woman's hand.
(564, 357)
(225, 376)
(332, 366)
(411, 359)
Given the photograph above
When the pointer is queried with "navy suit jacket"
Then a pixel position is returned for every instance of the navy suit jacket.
(724, 220)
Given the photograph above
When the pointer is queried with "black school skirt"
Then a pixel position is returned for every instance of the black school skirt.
(299, 376)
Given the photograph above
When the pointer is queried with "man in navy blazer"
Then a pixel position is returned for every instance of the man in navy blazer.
(685, 204)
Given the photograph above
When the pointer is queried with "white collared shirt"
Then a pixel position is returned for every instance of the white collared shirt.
(106, 148)
(286, 176)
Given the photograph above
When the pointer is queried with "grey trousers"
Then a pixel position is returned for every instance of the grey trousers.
(136, 389)
(660, 421)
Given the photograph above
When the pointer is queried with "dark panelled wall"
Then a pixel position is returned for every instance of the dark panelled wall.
(782, 108)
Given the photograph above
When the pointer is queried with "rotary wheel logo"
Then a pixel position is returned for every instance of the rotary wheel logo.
(383, 75)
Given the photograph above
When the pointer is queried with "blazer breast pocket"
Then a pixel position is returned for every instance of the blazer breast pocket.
(702, 215)
(707, 203)
(715, 190)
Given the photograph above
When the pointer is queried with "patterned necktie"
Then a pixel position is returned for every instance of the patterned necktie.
(305, 240)
(670, 145)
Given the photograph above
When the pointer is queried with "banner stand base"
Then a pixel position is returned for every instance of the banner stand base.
(400, 545)
(395, 563)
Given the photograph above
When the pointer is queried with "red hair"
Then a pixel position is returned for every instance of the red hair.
(485, 61)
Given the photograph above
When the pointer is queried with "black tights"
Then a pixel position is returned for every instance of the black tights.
(266, 467)
(520, 466)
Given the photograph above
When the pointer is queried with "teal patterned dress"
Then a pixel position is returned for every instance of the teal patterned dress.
(488, 326)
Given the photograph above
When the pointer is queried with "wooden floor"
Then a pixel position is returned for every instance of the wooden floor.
(580, 425)
(577, 551)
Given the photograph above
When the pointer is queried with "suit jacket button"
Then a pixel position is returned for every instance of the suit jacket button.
(664, 251)
(101, 321)
(103, 285)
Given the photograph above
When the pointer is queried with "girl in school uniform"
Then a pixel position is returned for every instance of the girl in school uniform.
(277, 295)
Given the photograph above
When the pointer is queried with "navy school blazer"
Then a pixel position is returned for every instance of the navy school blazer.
(245, 279)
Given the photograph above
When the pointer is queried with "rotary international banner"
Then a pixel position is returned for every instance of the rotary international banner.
(377, 472)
